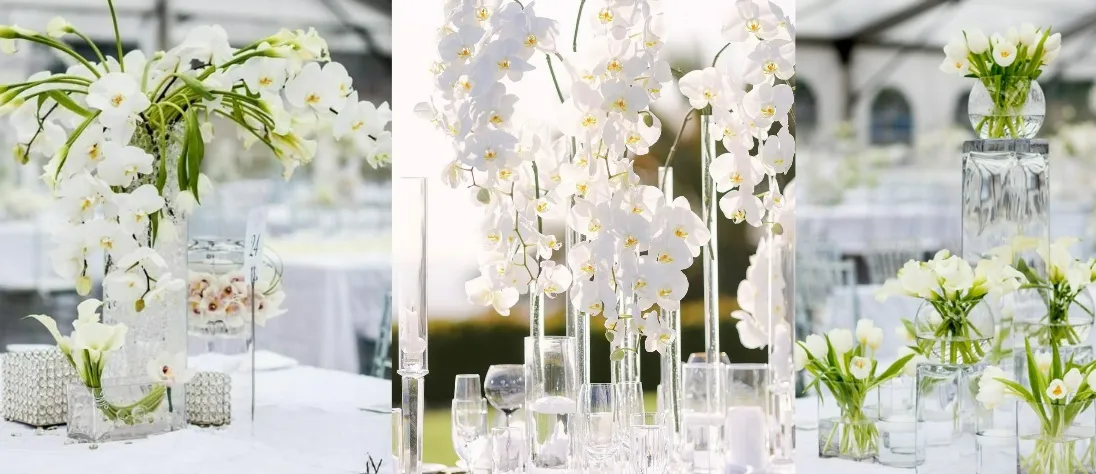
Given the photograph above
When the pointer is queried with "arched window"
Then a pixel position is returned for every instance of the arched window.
(891, 119)
(806, 110)
(961, 117)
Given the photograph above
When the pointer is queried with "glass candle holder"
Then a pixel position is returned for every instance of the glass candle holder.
(551, 401)
(703, 416)
(746, 400)
(409, 252)
(507, 450)
(899, 446)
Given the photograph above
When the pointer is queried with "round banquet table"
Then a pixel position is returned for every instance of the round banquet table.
(308, 421)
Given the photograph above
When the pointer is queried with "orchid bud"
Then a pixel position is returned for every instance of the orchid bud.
(19, 152)
(83, 285)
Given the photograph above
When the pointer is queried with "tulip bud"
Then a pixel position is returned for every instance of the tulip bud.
(83, 285)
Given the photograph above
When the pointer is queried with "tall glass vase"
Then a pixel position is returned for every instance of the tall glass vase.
(781, 408)
(1006, 194)
(710, 253)
(577, 322)
(670, 375)
(551, 403)
(626, 368)
(161, 326)
(409, 252)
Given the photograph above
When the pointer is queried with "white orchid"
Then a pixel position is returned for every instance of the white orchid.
(169, 369)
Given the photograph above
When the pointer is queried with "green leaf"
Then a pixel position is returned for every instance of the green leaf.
(609, 335)
(196, 86)
(1018, 390)
(896, 367)
(195, 151)
(618, 355)
(65, 101)
(1034, 378)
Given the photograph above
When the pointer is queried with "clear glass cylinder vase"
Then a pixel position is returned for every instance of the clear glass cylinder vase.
(897, 424)
(955, 337)
(1054, 438)
(704, 416)
(710, 253)
(551, 402)
(1006, 107)
(995, 439)
(847, 422)
(160, 326)
(1068, 331)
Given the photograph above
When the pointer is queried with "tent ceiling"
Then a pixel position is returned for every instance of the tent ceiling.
(92, 15)
(929, 24)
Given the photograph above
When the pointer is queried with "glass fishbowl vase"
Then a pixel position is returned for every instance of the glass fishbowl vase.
(1006, 107)
(220, 300)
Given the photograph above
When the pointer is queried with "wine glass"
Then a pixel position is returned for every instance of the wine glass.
(467, 387)
(469, 422)
(597, 429)
(650, 442)
(504, 387)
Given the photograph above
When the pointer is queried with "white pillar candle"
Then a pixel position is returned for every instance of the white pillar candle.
(746, 437)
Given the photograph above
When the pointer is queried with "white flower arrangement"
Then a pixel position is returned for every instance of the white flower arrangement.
(744, 121)
(1006, 65)
(953, 288)
(221, 304)
(1060, 281)
(101, 124)
(89, 348)
(634, 239)
(844, 363)
(1058, 392)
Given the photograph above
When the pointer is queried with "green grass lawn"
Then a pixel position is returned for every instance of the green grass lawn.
(438, 444)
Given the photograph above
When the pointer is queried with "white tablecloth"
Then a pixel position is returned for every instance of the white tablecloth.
(806, 450)
(308, 421)
(332, 296)
(24, 257)
(856, 227)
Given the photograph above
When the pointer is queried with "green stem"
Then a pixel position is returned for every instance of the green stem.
(117, 36)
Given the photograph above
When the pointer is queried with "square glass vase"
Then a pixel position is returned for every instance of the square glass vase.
(123, 409)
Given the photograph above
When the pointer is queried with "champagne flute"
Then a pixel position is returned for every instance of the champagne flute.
(467, 387)
(469, 423)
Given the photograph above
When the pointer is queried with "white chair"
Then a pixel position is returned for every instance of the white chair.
(884, 259)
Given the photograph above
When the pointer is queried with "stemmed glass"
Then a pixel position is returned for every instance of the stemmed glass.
(504, 387)
(469, 421)
(597, 430)
(467, 387)
(650, 442)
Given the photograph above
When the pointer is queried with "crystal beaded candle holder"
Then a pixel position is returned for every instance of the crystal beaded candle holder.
(209, 399)
(36, 387)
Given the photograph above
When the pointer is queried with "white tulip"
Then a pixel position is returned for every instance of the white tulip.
(1073, 380)
(816, 345)
(904, 334)
(799, 356)
(1043, 361)
(1057, 390)
(841, 340)
(956, 48)
(863, 330)
(1091, 379)
(1004, 53)
(875, 339)
(958, 66)
(1028, 35)
(991, 392)
(860, 367)
(977, 42)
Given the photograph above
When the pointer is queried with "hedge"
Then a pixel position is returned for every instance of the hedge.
(471, 346)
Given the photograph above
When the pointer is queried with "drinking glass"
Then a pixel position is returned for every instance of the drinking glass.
(650, 442)
(469, 429)
(597, 434)
(504, 387)
(747, 399)
(551, 387)
(467, 387)
(703, 416)
(507, 450)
